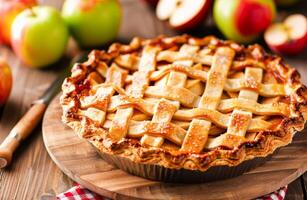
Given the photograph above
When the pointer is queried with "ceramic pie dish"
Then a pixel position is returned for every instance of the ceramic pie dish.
(184, 109)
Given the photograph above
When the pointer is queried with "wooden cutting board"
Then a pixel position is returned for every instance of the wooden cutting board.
(79, 160)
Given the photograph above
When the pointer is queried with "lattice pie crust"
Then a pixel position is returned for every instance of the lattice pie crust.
(184, 102)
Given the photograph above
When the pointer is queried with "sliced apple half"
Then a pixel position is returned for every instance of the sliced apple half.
(183, 14)
(289, 37)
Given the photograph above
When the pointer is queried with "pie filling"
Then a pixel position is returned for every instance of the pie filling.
(184, 102)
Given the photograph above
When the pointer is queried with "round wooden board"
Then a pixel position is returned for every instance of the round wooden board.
(79, 160)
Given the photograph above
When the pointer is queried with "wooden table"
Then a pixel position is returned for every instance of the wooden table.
(32, 174)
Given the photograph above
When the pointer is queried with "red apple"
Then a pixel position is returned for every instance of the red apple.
(289, 37)
(243, 20)
(183, 14)
(9, 9)
(5, 81)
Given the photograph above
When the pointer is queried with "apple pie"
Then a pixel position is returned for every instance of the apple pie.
(184, 102)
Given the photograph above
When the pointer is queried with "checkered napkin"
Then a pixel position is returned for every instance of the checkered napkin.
(80, 193)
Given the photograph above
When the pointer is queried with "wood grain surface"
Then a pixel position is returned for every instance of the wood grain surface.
(33, 175)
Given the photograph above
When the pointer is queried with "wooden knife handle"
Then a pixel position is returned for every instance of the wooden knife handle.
(21, 130)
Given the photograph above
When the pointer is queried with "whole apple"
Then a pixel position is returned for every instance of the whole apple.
(39, 36)
(9, 9)
(92, 22)
(6, 81)
(243, 20)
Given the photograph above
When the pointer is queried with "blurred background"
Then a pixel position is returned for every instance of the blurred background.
(39, 38)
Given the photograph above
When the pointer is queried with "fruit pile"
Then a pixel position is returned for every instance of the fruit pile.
(39, 34)
(240, 20)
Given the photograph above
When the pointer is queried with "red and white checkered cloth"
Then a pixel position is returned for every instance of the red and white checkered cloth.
(80, 193)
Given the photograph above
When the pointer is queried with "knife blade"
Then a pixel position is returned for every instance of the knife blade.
(33, 116)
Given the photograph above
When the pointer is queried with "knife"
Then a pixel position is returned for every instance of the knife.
(33, 116)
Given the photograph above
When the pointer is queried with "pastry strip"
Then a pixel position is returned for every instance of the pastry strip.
(172, 56)
(175, 84)
(214, 87)
(226, 105)
(163, 114)
(239, 119)
(140, 81)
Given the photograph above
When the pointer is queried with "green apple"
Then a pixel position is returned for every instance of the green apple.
(243, 20)
(92, 22)
(39, 36)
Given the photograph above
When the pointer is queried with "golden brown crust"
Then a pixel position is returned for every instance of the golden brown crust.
(236, 150)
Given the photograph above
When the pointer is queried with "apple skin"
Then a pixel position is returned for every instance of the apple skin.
(39, 36)
(92, 23)
(6, 81)
(291, 48)
(243, 20)
(9, 9)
